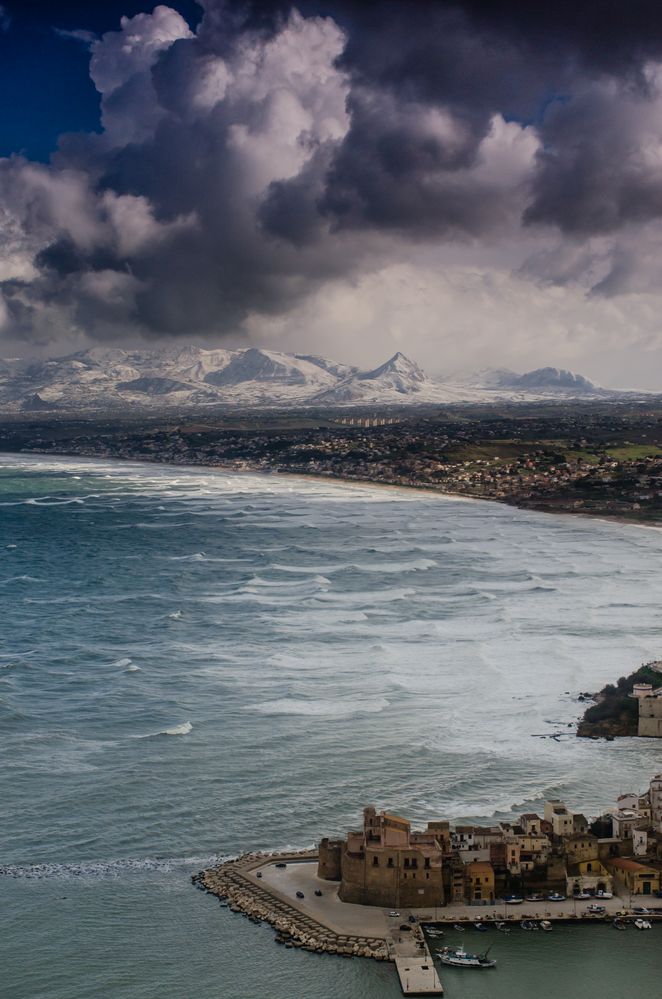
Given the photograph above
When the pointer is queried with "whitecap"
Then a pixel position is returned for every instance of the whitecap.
(182, 729)
(176, 615)
(132, 668)
(121, 662)
(338, 708)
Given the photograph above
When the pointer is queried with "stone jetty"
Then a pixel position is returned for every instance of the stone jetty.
(232, 883)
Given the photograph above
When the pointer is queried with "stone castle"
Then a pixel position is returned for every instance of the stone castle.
(388, 864)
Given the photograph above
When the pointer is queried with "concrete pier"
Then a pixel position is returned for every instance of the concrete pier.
(418, 976)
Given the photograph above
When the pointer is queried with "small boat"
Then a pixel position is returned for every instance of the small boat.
(513, 899)
(581, 896)
(481, 927)
(502, 927)
(535, 898)
(555, 897)
(643, 924)
(460, 929)
(619, 924)
(545, 925)
(459, 958)
(529, 924)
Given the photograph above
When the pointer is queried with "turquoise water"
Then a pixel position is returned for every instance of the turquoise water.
(198, 663)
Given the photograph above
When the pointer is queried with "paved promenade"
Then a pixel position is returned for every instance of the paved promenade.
(343, 917)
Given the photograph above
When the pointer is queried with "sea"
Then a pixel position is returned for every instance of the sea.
(195, 663)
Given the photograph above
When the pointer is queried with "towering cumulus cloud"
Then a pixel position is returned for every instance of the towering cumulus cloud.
(276, 156)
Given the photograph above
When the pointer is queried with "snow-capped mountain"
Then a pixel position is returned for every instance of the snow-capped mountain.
(110, 378)
(398, 380)
(542, 383)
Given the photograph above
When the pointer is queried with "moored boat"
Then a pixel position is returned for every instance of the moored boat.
(502, 927)
(619, 924)
(545, 925)
(643, 924)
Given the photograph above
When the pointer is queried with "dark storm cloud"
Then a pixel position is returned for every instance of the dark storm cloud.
(243, 165)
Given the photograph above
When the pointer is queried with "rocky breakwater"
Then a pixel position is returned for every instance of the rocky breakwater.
(230, 883)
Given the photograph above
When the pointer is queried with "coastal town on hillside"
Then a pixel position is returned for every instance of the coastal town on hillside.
(554, 856)
(388, 892)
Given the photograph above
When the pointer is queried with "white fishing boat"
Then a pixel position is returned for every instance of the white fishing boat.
(545, 925)
(643, 924)
(459, 958)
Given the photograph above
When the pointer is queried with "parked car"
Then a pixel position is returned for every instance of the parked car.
(300, 894)
(393, 914)
(406, 926)
(318, 893)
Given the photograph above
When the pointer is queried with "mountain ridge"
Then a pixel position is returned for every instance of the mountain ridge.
(112, 377)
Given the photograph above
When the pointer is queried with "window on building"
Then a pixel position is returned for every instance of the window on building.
(427, 877)
(375, 861)
(390, 862)
(427, 863)
(414, 863)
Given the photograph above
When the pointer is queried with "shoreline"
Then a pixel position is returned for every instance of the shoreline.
(348, 481)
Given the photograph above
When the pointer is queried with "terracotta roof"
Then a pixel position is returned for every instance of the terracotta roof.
(624, 864)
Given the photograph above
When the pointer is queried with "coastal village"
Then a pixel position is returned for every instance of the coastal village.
(562, 459)
(386, 891)
(558, 853)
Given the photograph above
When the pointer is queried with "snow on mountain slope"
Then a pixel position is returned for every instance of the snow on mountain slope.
(109, 377)
(540, 384)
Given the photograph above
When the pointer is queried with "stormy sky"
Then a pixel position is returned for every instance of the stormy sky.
(472, 183)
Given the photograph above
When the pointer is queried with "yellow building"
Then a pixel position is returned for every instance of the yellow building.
(479, 881)
(635, 877)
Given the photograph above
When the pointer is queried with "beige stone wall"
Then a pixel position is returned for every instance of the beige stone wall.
(329, 862)
(365, 883)
(650, 717)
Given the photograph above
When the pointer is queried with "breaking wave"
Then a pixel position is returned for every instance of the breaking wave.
(340, 708)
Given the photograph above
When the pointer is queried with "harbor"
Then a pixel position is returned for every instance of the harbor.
(306, 913)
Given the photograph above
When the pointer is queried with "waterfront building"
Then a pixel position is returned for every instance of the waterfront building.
(480, 881)
(650, 714)
(588, 875)
(637, 878)
(386, 863)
